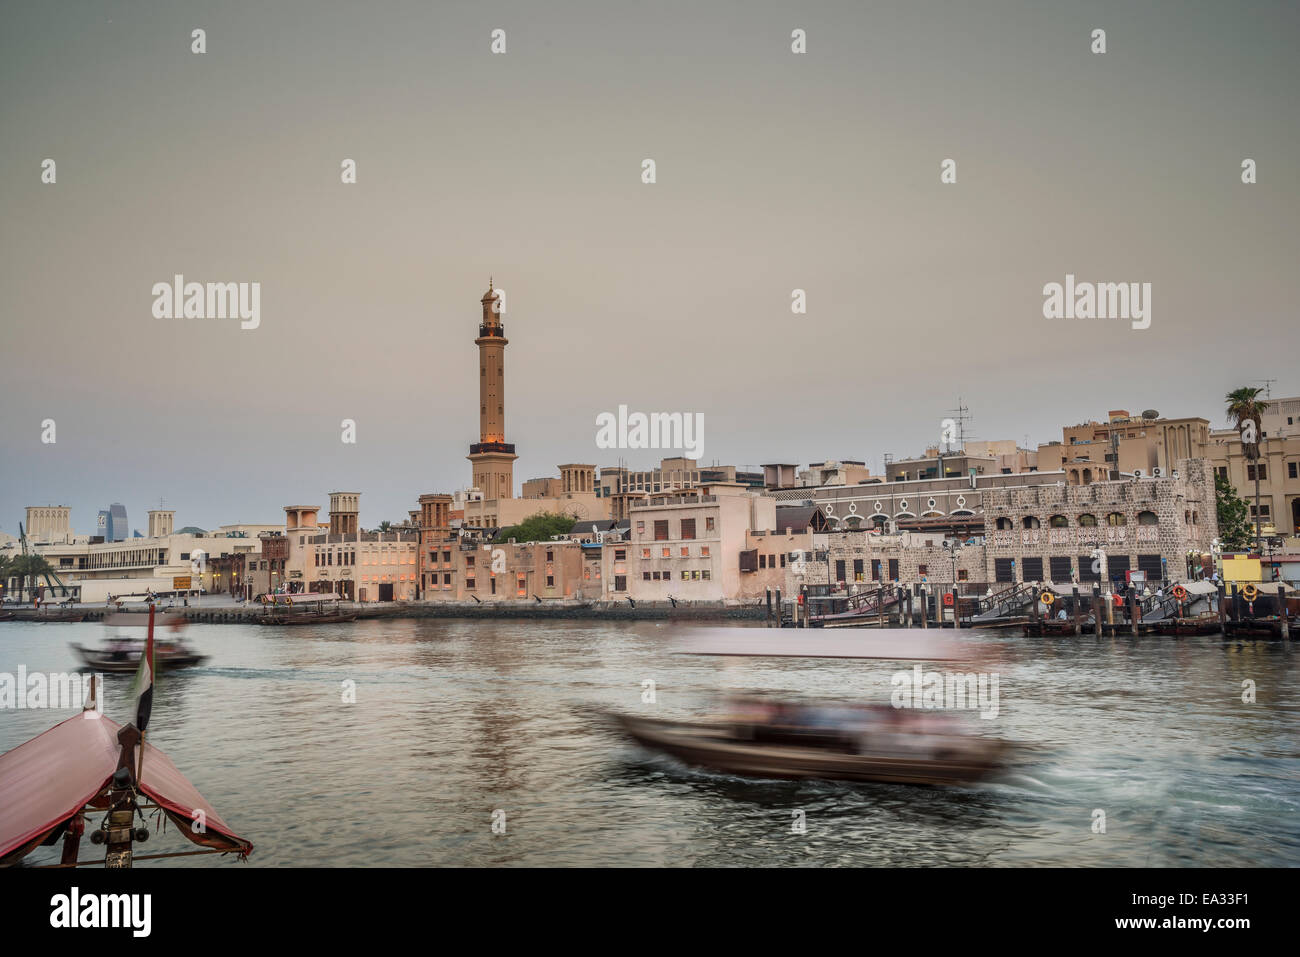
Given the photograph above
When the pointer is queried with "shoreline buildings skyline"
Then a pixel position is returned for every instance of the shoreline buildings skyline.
(1139, 482)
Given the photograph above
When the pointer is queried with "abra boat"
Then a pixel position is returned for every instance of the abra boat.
(774, 738)
(305, 609)
(124, 656)
(1186, 627)
(794, 752)
(48, 613)
(55, 785)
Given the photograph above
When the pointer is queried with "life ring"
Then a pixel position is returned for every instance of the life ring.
(1119, 600)
(1047, 598)
(1180, 592)
(947, 598)
(1250, 592)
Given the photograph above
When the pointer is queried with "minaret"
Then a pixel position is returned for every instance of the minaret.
(492, 455)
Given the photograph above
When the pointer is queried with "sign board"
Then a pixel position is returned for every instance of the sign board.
(181, 582)
(1136, 577)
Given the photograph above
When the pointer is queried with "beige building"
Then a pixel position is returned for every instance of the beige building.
(1278, 467)
(162, 522)
(1124, 443)
(48, 523)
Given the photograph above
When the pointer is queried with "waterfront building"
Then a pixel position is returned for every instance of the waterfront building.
(366, 566)
(1278, 467)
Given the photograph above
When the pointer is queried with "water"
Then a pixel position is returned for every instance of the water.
(455, 720)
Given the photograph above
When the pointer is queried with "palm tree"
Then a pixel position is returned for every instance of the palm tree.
(1244, 405)
(28, 566)
(385, 526)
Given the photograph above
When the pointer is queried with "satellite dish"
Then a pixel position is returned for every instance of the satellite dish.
(1150, 414)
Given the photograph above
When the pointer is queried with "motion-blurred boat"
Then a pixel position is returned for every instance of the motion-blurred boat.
(762, 736)
(124, 656)
(758, 749)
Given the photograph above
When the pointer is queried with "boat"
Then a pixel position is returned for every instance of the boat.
(792, 752)
(1056, 628)
(123, 657)
(770, 737)
(1266, 627)
(1208, 624)
(47, 613)
(54, 786)
(307, 608)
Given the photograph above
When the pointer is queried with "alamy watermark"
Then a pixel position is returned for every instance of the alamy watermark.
(214, 300)
(1102, 300)
(655, 430)
(58, 690)
(935, 690)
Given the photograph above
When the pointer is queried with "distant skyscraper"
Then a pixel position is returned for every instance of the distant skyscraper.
(112, 523)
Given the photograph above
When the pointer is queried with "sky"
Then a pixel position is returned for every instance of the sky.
(775, 171)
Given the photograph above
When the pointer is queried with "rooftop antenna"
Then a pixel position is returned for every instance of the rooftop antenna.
(1268, 387)
(962, 415)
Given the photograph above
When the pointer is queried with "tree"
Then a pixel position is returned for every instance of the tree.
(29, 566)
(537, 528)
(1234, 528)
(1244, 405)
(385, 526)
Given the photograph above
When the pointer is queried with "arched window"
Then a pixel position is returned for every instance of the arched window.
(1148, 518)
(1087, 520)
(1087, 476)
(1195, 518)
(1031, 522)
(1058, 521)
(1004, 523)
(1116, 518)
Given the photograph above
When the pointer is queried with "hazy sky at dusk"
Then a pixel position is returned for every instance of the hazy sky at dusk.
(775, 171)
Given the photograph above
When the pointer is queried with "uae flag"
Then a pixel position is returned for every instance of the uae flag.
(144, 680)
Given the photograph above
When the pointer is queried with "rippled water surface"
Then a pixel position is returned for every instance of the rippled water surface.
(454, 720)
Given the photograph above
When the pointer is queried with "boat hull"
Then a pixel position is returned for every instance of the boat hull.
(105, 661)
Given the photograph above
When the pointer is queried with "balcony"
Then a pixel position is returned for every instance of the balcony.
(497, 331)
(479, 447)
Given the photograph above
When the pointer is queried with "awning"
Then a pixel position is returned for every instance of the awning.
(49, 779)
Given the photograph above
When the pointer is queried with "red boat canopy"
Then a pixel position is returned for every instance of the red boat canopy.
(48, 780)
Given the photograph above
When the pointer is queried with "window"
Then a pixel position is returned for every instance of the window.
(1223, 471)
(640, 528)
(1058, 521)
(704, 574)
(1148, 518)
(1033, 569)
(686, 576)
(1252, 469)
(688, 528)
(446, 579)
(550, 555)
(1086, 573)
(686, 552)
(620, 554)
(923, 569)
(1031, 522)
(645, 553)
(704, 551)
(661, 530)
(550, 581)
(645, 576)
(1087, 521)
(666, 552)
(620, 583)
(1116, 518)
(839, 570)
(708, 524)
(469, 584)
(1061, 568)
(961, 574)
(1003, 523)
(1264, 511)
(1293, 469)
(1004, 570)
(893, 569)
(875, 569)
(469, 562)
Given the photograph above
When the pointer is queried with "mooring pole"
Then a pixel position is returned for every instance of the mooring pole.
(925, 605)
(1223, 611)
(1134, 611)
(1078, 623)
(1281, 606)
